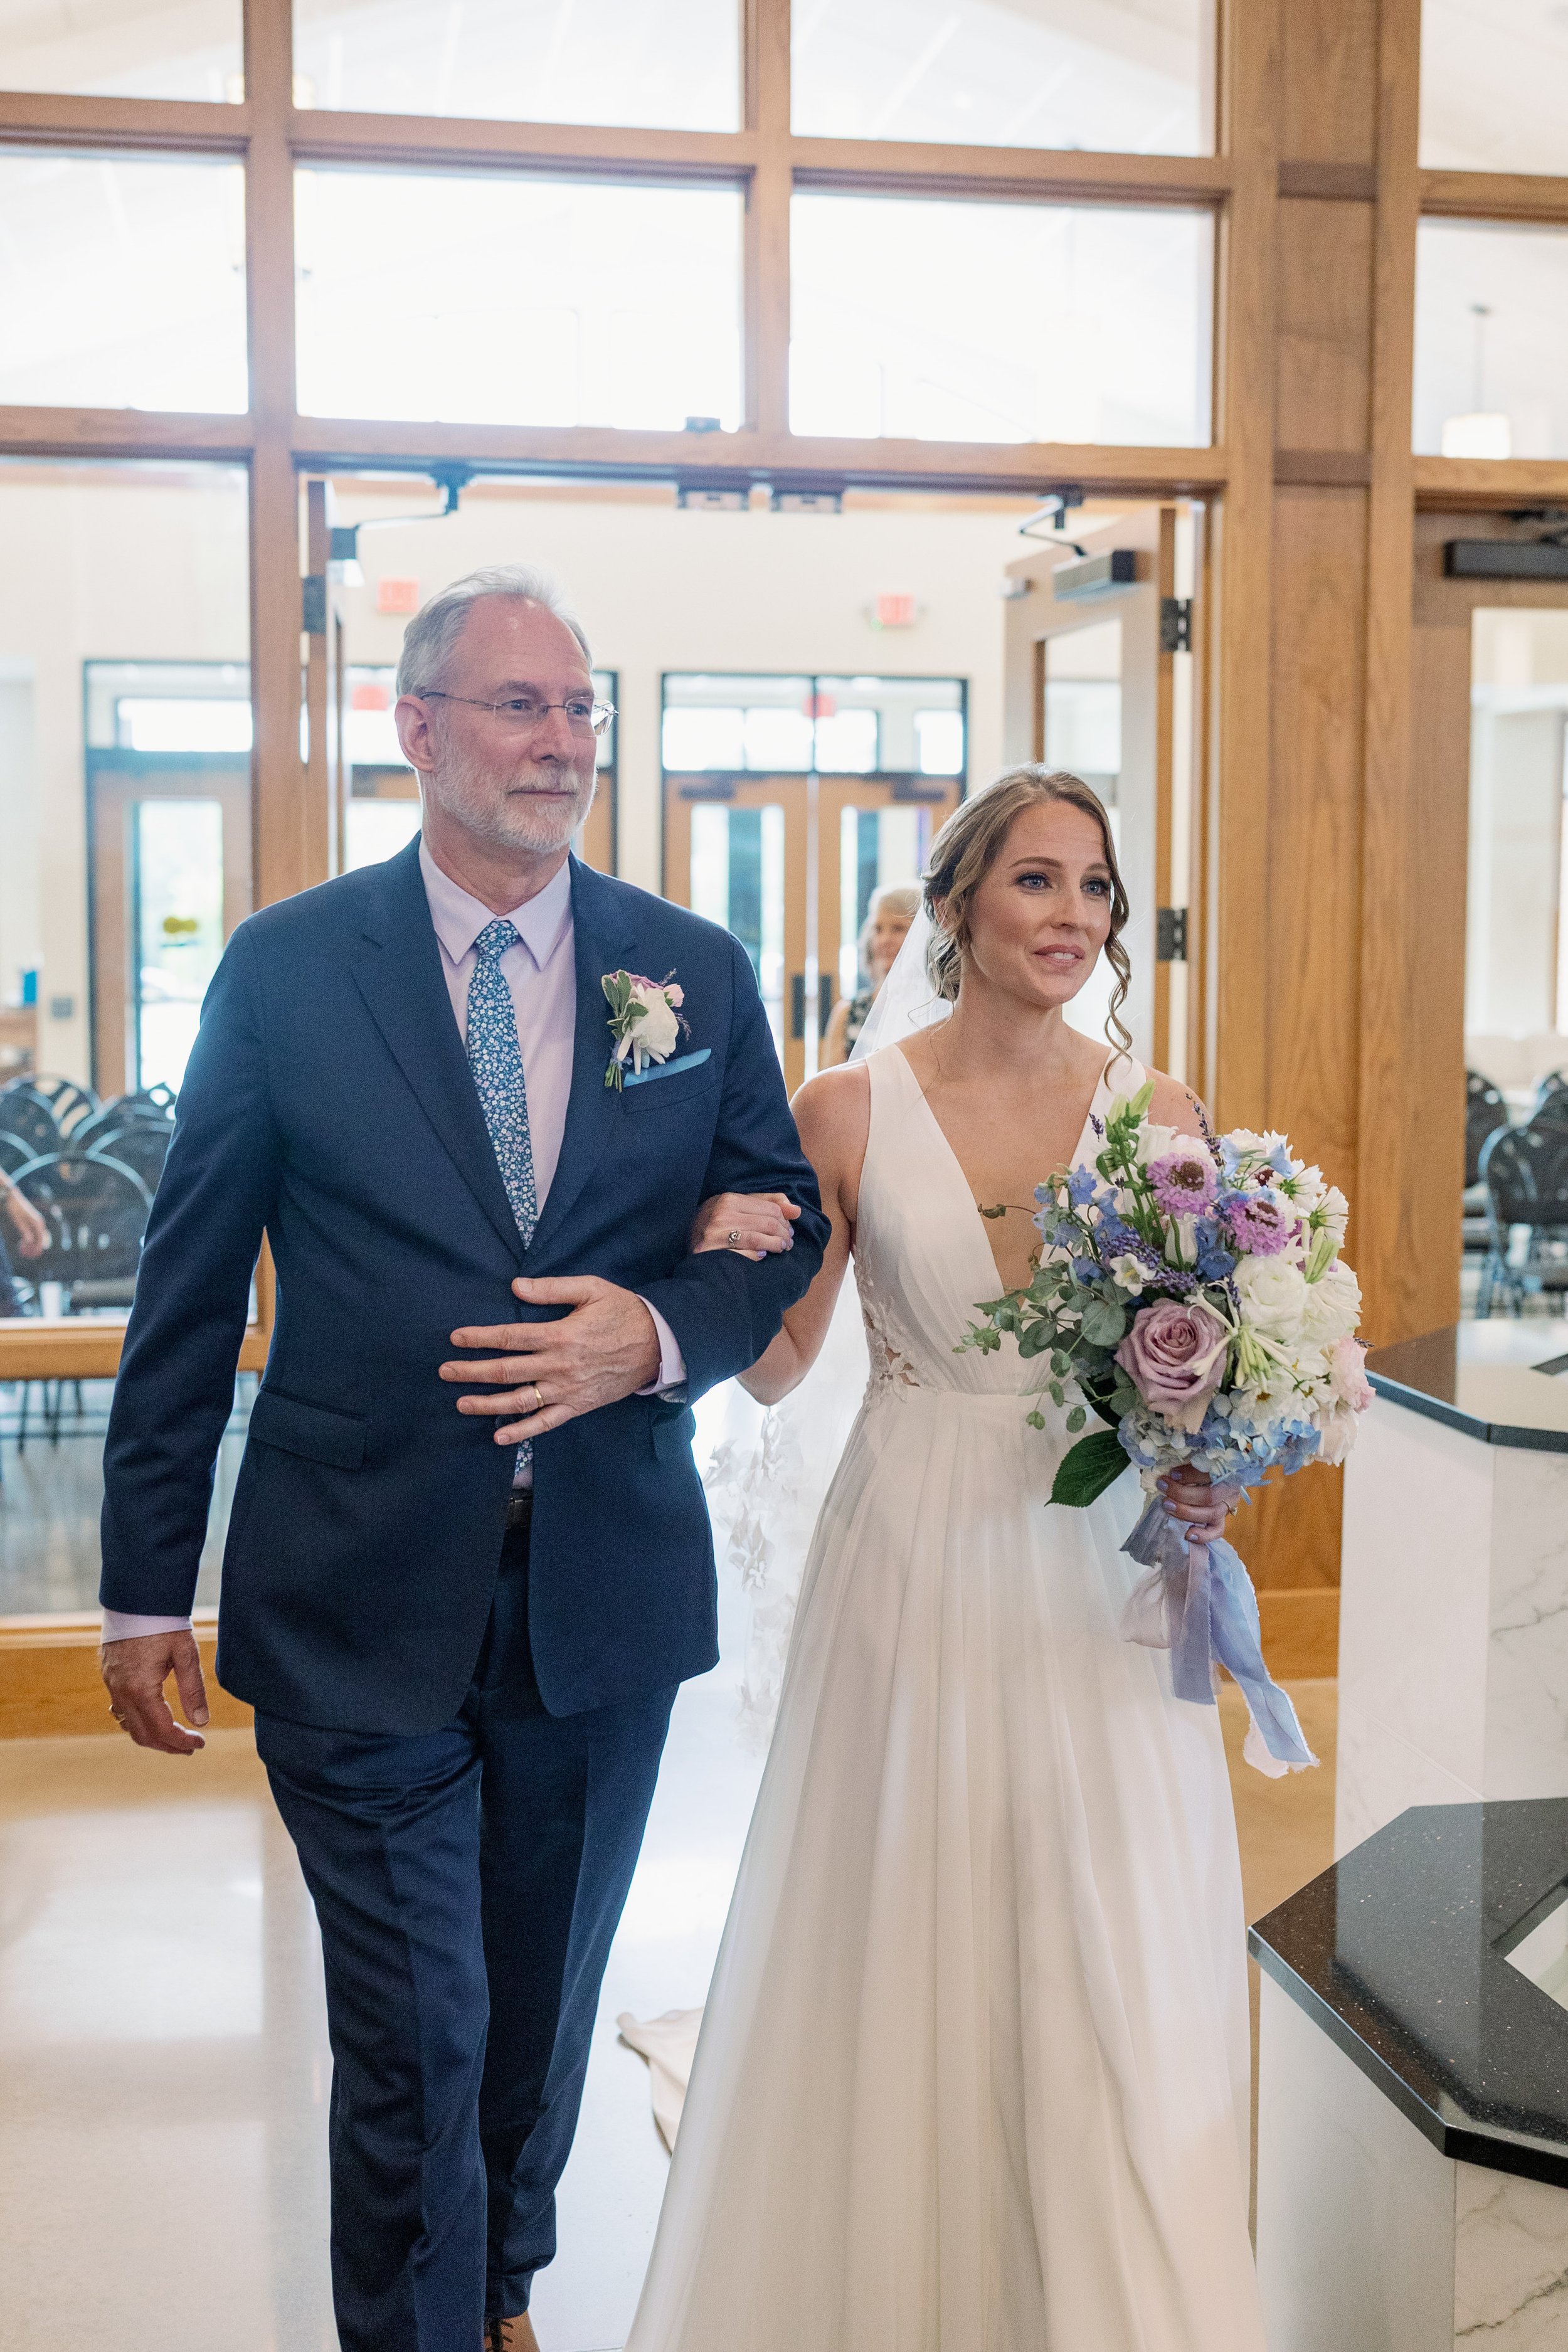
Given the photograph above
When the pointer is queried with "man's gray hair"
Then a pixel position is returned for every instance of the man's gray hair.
(431, 634)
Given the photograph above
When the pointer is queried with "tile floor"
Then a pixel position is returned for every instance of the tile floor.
(163, 2065)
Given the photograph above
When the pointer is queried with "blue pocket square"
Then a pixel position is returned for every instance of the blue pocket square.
(668, 1069)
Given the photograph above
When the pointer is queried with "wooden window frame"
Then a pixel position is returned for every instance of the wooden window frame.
(1241, 185)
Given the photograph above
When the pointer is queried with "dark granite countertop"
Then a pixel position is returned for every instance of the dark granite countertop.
(1500, 1404)
(1399, 1953)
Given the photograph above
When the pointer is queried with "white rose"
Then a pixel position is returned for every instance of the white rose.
(1332, 1306)
(657, 1033)
(1272, 1293)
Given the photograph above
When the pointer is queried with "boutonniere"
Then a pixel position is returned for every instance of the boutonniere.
(644, 1022)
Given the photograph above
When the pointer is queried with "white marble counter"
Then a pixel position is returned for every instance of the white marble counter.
(1454, 1600)
(1369, 2239)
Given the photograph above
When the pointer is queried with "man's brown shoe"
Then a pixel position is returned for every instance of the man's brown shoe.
(514, 2335)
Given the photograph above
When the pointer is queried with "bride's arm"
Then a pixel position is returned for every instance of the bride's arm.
(833, 1113)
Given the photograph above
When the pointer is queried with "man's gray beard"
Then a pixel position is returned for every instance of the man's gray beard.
(463, 789)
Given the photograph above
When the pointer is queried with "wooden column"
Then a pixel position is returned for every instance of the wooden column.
(767, 35)
(288, 821)
(1317, 1018)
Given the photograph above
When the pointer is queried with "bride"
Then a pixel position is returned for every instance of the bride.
(973, 2072)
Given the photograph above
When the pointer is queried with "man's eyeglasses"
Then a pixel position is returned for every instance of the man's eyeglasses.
(526, 712)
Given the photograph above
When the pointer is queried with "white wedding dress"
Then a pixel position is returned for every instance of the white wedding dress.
(973, 2072)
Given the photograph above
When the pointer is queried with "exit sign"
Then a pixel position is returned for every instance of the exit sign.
(396, 595)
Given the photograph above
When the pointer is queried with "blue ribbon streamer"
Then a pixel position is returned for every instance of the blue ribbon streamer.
(1198, 1603)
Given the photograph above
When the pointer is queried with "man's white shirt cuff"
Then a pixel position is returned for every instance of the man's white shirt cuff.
(671, 1363)
(120, 1625)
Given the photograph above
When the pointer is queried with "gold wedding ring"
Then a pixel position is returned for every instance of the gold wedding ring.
(538, 1396)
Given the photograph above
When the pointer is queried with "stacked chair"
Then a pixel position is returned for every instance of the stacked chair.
(90, 1170)
(1524, 1173)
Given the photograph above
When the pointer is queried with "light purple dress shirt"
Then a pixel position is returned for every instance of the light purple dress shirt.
(542, 973)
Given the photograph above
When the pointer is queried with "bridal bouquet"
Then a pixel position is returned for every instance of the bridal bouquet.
(1191, 1288)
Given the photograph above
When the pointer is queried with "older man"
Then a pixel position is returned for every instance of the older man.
(460, 1590)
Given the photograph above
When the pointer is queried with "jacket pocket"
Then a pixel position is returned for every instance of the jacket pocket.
(663, 1093)
(313, 1429)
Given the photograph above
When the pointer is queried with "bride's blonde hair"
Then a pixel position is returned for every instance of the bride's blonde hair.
(968, 846)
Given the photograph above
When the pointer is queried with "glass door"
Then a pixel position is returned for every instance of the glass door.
(735, 850)
(872, 832)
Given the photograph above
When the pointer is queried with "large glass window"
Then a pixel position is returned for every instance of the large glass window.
(122, 282)
(125, 866)
(938, 320)
(662, 64)
(123, 49)
(1494, 86)
(1007, 73)
(517, 301)
(1491, 341)
(793, 725)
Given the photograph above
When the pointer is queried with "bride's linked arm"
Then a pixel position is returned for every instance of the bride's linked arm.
(833, 1113)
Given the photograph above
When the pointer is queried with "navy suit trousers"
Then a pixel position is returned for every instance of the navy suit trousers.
(468, 1882)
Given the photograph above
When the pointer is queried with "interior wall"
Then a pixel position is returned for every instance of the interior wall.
(661, 589)
(140, 562)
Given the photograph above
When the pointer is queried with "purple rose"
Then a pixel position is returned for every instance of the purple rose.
(1182, 1182)
(1176, 1356)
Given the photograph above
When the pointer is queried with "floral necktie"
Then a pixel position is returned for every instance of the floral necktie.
(496, 1061)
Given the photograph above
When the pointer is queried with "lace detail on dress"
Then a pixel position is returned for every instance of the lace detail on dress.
(892, 1369)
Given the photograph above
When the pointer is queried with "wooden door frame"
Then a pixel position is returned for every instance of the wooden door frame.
(1443, 615)
(1036, 617)
(113, 788)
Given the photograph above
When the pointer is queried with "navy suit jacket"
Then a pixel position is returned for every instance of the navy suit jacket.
(329, 1102)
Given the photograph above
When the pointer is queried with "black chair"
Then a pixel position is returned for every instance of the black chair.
(1525, 1170)
(69, 1102)
(96, 1209)
(15, 1152)
(142, 1146)
(1485, 1112)
(29, 1116)
(1550, 1101)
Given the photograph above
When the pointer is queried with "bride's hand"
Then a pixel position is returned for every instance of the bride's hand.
(754, 1225)
(1192, 1497)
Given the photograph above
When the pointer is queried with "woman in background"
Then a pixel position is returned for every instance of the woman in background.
(882, 934)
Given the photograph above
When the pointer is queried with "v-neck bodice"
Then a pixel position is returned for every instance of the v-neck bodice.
(922, 1257)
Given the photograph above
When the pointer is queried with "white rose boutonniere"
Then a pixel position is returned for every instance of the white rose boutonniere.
(644, 1022)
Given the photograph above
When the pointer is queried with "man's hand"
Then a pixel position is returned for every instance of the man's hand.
(754, 1225)
(31, 1230)
(134, 1672)
(606, 1349)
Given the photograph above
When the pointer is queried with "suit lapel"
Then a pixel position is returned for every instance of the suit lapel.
(396, 964)
(601, 940)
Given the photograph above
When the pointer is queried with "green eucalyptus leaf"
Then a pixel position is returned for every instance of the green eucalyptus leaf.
(1076, 1419)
